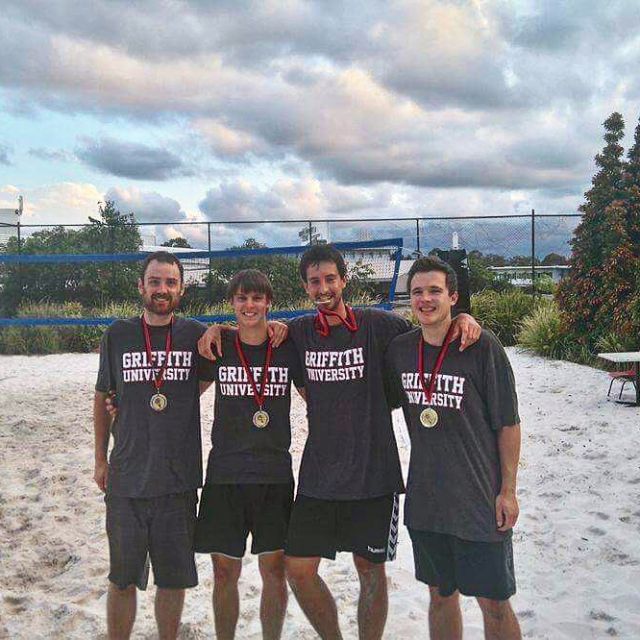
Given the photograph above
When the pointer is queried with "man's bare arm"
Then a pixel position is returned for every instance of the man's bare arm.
(507, 509)
(101, 431)
(212, 336)
(277, 331)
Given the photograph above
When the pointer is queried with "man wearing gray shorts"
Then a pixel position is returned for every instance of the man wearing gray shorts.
(155, 467)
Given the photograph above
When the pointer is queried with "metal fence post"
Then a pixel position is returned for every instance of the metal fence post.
(418, 236)
(310, 233)
(19, 265)
(533, 252)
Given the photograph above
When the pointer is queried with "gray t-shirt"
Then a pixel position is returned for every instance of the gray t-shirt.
(241, 453)
(351, 451)
(155, 453)
(454, 471)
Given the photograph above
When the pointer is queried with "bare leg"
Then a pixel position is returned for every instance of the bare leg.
(500, 622)
(226, 600)
(168, 610)
(313, 596)
(445, 617)
(121, 611)
(373, 602)
(273, 602)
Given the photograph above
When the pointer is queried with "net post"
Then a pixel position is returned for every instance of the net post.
(418, 236)
(396, 271)
(210, 287)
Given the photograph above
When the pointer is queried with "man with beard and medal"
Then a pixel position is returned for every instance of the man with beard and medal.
(347, 498)
(150, 364)
(462, 413)
(249, 482)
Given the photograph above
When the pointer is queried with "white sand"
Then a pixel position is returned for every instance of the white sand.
(577, 542)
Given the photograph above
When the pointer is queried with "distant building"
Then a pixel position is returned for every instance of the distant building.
(381, 264)
(520, 276)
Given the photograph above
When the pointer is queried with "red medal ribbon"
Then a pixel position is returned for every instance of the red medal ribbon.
(428, 391)
(259, 397)
(159, 380)
(322, 324)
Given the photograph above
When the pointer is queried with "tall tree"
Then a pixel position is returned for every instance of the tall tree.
(630, 260)
(583, 293)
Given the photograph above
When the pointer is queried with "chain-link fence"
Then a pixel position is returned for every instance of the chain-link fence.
(512, 247)
(506, 236)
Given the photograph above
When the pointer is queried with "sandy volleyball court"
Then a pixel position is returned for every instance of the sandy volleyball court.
(577, 542)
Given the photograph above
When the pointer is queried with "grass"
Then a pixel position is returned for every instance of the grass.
(22, 340)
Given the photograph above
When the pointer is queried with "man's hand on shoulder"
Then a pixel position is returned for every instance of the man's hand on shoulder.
(507, 510)
(467, 329)
(211, 338)
(277, 331)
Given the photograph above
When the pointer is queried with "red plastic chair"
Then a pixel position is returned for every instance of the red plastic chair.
(624, 376)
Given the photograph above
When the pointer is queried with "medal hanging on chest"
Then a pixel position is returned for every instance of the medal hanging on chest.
(322, 324)
(429, 416)
(158, 401)
(260, 417)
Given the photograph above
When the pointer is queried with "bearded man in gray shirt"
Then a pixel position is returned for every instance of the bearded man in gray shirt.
(151, 477)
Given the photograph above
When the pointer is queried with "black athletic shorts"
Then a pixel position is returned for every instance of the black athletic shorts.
(320, 528)
(480, 569)
(159, 528)
(229, 512)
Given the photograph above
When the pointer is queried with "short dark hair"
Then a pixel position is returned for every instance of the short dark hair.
(322, 253)
(164, 257)
(250, 281)
(433, 263)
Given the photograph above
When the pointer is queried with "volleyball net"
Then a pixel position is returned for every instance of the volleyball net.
(95, 289)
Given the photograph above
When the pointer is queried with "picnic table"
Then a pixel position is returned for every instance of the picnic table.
(632, 357)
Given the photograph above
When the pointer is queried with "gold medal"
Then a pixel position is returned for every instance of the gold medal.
(429, 418)
(260, 419)
(158, 402)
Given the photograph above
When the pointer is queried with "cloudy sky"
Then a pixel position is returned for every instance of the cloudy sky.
(287, 109)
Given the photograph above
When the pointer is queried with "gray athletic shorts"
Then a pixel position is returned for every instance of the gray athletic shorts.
(160, 529)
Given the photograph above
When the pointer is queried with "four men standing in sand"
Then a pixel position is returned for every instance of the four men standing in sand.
(350, 474)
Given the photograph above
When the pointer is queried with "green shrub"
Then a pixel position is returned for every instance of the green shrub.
(542, 332)
(13, 341)
(545, 285)
(502, 313)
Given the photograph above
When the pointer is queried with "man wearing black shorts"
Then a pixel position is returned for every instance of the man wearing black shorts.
(249, 482)
(155, 468)
(462, 414)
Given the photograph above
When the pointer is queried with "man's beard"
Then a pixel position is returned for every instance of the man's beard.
(153, 304)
